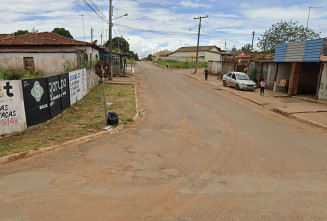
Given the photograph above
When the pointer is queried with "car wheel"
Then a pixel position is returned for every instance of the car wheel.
(224, 83)
(237, 87)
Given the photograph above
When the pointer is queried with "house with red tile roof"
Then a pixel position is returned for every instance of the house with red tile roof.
(206, 53)
(45, 51)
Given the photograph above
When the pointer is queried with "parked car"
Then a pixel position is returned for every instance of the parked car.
(239, 80)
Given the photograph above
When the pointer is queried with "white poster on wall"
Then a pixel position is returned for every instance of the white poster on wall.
(84, 82)
(75, 86)
(12, 110)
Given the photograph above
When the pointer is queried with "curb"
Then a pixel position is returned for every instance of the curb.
(311, 123)
(29, 153)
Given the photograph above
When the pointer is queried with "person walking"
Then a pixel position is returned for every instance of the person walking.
(206, 73)
(167, 65)
(262, 87)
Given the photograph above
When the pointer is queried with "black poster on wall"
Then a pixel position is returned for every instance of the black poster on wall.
(54, 95)
(65, 93)
(36, 101)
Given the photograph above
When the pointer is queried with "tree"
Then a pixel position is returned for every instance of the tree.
(21, 32)
(119, 44)
(62, 32)
(284, 32)
(247, 48)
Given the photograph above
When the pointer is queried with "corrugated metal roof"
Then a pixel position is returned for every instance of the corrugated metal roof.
(305, 51)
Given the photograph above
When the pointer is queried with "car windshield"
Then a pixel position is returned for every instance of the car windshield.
(242, 77)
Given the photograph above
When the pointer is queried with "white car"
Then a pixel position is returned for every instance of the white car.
(239, 80)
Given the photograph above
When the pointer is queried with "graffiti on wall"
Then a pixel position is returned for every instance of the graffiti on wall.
(12, 114)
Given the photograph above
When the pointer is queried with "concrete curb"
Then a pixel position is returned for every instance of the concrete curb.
(292, 116)
(29, 153)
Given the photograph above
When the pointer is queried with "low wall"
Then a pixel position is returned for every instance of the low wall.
(24, 103)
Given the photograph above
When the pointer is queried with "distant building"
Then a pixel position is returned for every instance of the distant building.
(161, 55)
(206, 53)
(45, 51)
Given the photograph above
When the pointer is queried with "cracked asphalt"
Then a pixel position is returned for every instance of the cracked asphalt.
(197, 154)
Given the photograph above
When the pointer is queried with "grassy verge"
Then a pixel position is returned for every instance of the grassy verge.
(85, 117)
(182, 65)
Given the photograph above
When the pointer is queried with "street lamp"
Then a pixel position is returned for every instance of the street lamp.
(308, 19)
(83, 26)
(120, 16)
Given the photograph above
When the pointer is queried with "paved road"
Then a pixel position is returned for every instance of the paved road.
(198, 154)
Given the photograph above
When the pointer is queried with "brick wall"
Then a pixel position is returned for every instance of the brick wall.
(294, 78)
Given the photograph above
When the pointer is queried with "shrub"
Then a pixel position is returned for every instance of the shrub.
(19, 73)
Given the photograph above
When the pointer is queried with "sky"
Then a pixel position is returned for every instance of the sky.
(157, 25)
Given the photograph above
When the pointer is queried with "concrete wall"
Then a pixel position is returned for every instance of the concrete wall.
(212, 56)
(185, 56)
(52, 63)
(92, 79)
(204, 56)
(267, 71)
(284, 71)
(227, 67)
(92, 54)
(322, 95)
(215, 67)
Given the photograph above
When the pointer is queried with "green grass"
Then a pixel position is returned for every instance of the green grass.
(84, 117)
(182, 65)
(19, 73)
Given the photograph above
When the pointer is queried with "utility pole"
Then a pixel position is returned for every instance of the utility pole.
(110, 39)
(253, 33)
(91, 34)
(83, 26)
(225, 46)
(101, 38)
(197, 47)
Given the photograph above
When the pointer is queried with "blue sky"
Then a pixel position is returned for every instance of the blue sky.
(163, 24)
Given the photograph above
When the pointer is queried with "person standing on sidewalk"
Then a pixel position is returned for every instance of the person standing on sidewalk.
(262, 86)
(206, 73)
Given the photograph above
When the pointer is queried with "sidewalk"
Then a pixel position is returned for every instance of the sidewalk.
(301, 108)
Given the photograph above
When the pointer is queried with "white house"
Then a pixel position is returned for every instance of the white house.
(206, 53)
(45, 51)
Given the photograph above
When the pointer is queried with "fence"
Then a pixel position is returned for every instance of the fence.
(24, 103)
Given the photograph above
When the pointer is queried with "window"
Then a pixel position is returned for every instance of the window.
(29, 64)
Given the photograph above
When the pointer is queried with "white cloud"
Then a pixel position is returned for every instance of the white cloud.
(166, 22)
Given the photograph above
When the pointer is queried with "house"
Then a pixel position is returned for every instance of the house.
(161, 55)
(45, 51)
(206, 53)
(2, 36)
(301, 68)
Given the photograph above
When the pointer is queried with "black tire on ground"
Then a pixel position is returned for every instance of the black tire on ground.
(237, 87)
(224, 83)
(112, 118)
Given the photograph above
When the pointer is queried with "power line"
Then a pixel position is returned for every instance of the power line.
(155, 31)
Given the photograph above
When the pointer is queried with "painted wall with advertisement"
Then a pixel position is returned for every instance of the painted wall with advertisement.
(25, 103)
(12, 111)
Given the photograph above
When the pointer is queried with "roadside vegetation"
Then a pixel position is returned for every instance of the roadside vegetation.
(84, 117)
(182, 65)
(19, 73)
